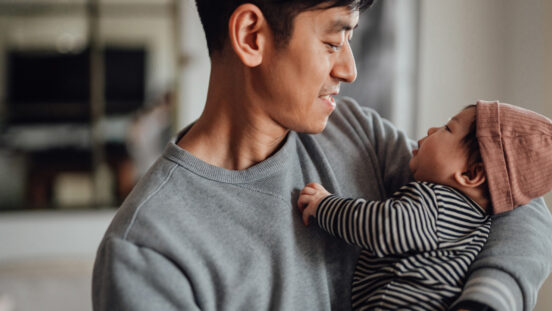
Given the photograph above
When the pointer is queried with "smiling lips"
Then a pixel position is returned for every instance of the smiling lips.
(329, 100)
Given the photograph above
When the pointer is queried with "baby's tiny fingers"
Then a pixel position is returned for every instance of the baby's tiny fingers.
(306, 219)
(303, 201)
(308, 190)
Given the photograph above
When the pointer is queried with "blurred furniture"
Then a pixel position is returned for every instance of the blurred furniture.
(67, 105)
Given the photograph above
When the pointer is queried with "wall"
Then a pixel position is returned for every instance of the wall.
(545, 296)
(194, 79)
(496, 49)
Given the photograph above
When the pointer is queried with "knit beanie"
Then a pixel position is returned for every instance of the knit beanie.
(516, 149)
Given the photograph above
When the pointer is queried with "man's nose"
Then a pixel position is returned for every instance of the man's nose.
(344, 68)
(431, 130)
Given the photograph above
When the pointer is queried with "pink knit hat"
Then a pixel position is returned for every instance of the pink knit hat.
(516, 148)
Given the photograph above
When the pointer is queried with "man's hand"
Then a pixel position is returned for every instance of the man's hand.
(309, 198)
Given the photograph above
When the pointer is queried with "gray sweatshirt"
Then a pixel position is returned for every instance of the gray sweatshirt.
(192, 236)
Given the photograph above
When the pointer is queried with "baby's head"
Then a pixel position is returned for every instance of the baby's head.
(498, 151)
(449, 155)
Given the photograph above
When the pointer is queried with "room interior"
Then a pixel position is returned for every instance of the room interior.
(91, 91)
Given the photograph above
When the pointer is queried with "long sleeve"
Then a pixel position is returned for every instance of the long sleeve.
(515, 261)
(398, 225)
(393, 150)
(129, 277)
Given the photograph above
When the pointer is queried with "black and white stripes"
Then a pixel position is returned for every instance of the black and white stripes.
(417, 245)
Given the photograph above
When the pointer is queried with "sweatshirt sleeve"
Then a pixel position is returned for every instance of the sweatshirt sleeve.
(129, 277)
(395, 226)
(393, 150)
(515, 261)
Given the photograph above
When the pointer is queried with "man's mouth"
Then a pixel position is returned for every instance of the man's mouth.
(329, 100)
(414, 152)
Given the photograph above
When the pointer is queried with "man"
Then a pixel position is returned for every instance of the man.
(214, 226)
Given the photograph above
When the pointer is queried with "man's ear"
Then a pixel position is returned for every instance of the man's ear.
(248, 33)
(472, 177)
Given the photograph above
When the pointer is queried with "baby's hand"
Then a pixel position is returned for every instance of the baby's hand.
(309, 198)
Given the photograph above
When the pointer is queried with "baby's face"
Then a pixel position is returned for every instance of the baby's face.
(441, 153)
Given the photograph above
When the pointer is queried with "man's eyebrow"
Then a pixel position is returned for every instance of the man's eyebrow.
(340, 25)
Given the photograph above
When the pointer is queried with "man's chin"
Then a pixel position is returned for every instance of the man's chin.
(315, 128)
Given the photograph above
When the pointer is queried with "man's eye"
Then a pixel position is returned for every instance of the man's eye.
(333, 47)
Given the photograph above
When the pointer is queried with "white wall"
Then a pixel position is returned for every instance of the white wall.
(474, 49)
(494, 49)
(194, 76)
(545, 296)
(54, 234)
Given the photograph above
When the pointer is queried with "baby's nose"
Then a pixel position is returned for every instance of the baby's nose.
(420, 142)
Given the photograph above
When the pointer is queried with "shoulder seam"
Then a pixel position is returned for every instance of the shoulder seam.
(135, 214)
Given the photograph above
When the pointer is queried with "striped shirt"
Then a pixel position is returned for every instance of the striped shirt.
(417, 245)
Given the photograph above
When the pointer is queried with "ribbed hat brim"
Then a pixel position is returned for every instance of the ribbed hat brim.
(516, 149)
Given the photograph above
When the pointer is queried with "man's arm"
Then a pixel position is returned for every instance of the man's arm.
(515, 261)
(128, 277)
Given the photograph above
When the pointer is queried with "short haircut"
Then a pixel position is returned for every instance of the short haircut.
(215, 14)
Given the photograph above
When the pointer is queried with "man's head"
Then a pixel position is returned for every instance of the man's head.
(279, 14)
(277, 63)
(277, 86)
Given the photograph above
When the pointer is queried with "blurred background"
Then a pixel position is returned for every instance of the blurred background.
(91, 91)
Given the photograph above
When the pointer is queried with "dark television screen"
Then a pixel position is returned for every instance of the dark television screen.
(46, 87)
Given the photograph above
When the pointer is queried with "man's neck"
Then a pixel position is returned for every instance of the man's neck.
(234, 131)
(228, 136)
(243, 148)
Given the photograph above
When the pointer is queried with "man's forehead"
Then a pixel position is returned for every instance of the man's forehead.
(344, 20)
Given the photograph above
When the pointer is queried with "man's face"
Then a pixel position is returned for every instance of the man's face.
(441, 153)
(297, 81)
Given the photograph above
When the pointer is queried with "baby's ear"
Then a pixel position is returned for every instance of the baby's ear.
(473, 177)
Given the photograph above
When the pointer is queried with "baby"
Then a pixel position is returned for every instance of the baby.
(418, 244)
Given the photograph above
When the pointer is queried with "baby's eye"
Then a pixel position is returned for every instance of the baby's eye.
(447, 128)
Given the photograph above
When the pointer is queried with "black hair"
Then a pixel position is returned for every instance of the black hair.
(214, 15)
(470, 142)
(474, 154)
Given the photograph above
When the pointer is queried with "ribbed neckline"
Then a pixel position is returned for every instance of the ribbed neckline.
(264, 169)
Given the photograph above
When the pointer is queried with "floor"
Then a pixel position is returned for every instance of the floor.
(46, 285)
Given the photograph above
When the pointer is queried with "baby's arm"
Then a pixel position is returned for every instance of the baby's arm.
(395, 226)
